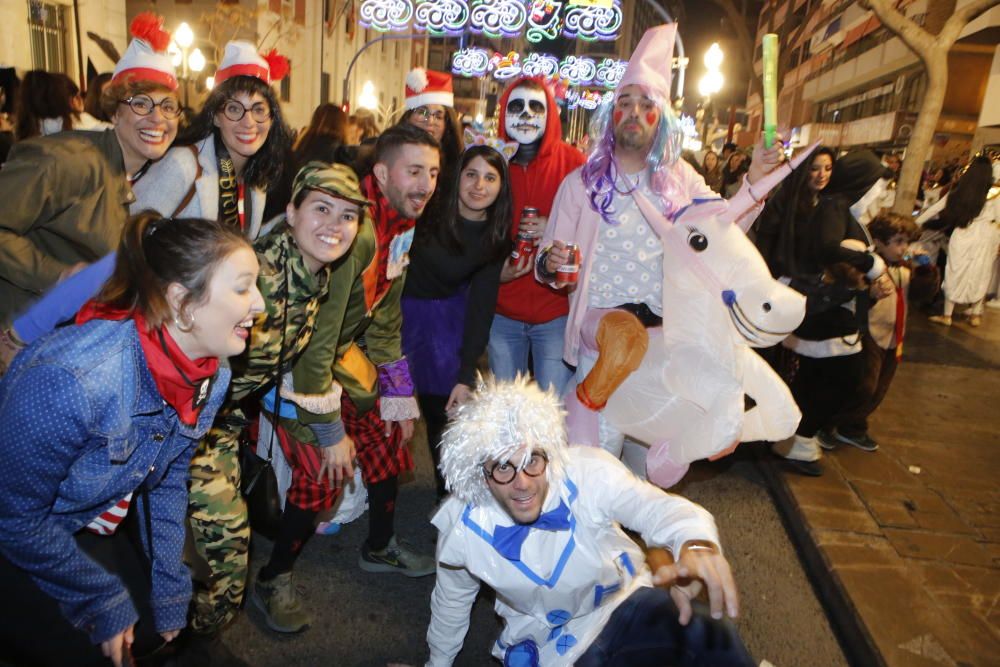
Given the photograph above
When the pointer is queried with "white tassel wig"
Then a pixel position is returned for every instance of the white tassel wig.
(500, 419)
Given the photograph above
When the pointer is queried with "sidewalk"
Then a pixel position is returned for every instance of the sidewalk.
(904, 544)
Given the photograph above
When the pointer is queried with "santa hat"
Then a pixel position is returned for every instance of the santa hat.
(425, 86)
(651, 62)
(242, 59)
(499, 420)
(146, 57)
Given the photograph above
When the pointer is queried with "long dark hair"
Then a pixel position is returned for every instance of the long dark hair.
(447, 226)
(327, 129)
(265, 166)
(966, 198)
(156, 251)
(44, 95)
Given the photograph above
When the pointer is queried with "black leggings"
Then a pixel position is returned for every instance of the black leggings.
(435, 417)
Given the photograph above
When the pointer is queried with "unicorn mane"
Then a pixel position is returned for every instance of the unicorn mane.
(600, 172)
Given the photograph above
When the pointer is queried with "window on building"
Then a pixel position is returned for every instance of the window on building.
(286, 84)
(47, 30)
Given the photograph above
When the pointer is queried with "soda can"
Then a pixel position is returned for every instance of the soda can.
(568, 272)
(523, 247)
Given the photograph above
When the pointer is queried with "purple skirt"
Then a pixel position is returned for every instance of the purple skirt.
(432, 341)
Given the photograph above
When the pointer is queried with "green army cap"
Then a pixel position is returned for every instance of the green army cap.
(334, 179)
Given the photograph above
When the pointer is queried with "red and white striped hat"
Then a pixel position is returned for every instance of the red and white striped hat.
(241, 59)
(146, 57)
(426, 86)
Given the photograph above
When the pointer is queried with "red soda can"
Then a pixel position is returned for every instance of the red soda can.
(524, 247)
(568, 272)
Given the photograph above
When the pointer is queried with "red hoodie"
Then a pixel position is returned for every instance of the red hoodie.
(525, 299)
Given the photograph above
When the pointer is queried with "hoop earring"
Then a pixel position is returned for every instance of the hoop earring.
(183, 326)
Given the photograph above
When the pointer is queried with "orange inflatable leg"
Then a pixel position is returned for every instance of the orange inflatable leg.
(621, 345)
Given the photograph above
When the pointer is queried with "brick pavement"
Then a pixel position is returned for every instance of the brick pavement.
(904, 544)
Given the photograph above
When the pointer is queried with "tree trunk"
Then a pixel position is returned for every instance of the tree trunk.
(919, 147)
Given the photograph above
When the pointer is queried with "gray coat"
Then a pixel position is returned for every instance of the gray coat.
(168, 181)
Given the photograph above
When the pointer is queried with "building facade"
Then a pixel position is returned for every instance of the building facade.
(55, 33)
(847, 81)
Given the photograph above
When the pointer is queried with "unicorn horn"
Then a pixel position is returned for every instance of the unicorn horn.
(762, 187)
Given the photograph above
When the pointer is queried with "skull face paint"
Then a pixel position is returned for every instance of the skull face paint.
(526, 114)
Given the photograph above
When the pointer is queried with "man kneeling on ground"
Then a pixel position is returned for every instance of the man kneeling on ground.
(541, 524)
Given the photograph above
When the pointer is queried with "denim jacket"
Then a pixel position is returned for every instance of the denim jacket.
(82, 425)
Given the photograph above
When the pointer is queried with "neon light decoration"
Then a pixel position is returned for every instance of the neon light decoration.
(386, 15)
(540, 64)
(587, 99)
(578, 71)
(471, 61)
(441, 17)
(592, 22)
(505, 67)
(610, 72)
(498, 18)
(543, 21)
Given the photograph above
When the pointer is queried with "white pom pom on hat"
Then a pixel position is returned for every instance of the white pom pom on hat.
(427, 86)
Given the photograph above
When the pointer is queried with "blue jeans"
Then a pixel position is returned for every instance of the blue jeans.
(644, 632)
(512, 340)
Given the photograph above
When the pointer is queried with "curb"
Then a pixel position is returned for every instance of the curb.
(857, 644)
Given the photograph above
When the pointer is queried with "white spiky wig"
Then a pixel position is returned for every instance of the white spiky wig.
(499, 419)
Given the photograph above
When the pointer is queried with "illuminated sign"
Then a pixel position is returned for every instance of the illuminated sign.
(574, 70)
(543, 21)
(471, 61)
(498, 18)
(587, 99)
(610, 72)
(540, 64)
(579, 71)
(593, 23)
(441, 17)
(386, 15)
(537, 19)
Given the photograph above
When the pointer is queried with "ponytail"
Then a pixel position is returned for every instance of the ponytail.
(155, 252)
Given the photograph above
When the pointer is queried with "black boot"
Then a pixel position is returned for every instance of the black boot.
(201, 650)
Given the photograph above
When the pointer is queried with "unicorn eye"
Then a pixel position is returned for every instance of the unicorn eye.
(697, 241)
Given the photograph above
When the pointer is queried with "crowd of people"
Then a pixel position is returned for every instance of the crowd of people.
(168, 291)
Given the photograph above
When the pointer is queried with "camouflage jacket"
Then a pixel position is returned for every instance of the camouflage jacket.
(363, 303)
(292, 295)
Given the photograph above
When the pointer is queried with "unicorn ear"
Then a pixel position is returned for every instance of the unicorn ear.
(508, 150)
(764, 186)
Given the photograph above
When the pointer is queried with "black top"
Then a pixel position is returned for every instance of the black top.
(437, 271)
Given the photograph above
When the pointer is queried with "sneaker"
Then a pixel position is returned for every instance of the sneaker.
(807, 468)
(396, 557)
(827, 439)
(975, 320)
(940, 319)
(864, 442)
(280, 604)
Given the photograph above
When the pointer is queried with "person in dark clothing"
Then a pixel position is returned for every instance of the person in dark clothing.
(454, 276)
(805, 244)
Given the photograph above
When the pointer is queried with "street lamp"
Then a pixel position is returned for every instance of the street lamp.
(710, 84)
(367, 99)
(188, 62)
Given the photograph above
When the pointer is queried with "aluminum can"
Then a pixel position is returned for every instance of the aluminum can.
(568, 272)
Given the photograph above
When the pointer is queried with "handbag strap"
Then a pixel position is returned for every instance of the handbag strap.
(281, 361)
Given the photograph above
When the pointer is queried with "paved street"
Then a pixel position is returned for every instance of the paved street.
(906, 541)
(367, 620)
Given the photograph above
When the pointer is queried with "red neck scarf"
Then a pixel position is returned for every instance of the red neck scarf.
(183, 383)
